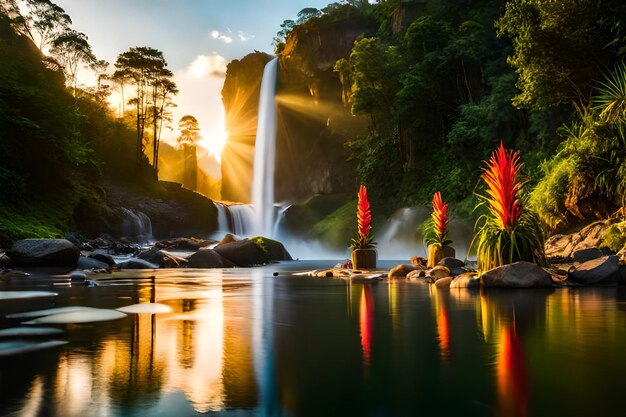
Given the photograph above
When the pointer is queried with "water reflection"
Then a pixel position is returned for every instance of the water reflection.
(294, 346)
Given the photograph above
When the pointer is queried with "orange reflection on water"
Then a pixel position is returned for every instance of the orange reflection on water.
(512, 381)
(443, 323)
(366, 322)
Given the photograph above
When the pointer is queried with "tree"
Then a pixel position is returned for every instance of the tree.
(146, 68)
(162, 90)
(307, 13)
(279, 40)
(42, 21)
(72, 49)
(189, 135)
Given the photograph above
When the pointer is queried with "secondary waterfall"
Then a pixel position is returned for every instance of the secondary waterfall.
(265, 153)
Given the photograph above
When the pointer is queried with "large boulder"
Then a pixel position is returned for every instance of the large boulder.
(451, 263)
(517, 275)
(403, 270)
(91, 263)
(597, 271)
(162, 258)
(584, 255)
(208, 258)
(561, 248)
(44, 252)
(253, 251)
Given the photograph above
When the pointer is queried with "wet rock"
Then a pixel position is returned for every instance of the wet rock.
(5, 261)
(622, 275)
(135, 263)
(162, 258)
(91, 263)
(78, 276)
(417, 273)
(183, 243)
(584, 255)
(403, 270)
(418, 261)
(466, 280)
(451, 263)
(561, 248)
(597, 271)
(517, 275)
(229, 238)
(106, 241)
(102, 256)
(44, 252)
(443, 282)
(439, 272)
(253, 251)
(208, 258)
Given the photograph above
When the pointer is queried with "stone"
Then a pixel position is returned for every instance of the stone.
(184, 243)
(161, 257)
(561, 248)
(418, 273)
(596, 271)
(439, 272)
(208, 258)
(102, 256)
(403, 270)
(622, 275)
(91, 263)
(44, 252)
(466, 280)
(229, 238)
(78, 276)
(253, 251)
(5, 261)
(135, 263)
(443, 282)
(451, 263)
(418, 261)
(584, 255)
(517, 275)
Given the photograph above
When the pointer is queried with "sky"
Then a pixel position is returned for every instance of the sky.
(198, 39)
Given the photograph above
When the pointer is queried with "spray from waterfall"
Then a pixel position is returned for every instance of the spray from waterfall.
(265, 153)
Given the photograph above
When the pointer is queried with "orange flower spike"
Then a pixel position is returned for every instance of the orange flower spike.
(440, 216)
(501, 177)
(363, 214)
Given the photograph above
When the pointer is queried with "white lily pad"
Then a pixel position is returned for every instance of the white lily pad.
(21, 295)
(24, 346)
(76, 317)
(49, 312)
(29, 331)
(146, 308)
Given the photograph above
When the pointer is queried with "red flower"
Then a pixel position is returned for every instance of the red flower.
(440, 217)
(503, 185)
(363, 214)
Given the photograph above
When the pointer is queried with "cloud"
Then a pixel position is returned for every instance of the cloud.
(229, 36)
(215, 34)
(204, 66)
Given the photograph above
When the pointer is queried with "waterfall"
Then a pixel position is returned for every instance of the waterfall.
(265, 153)
(399, 238)
(222, 218)
(242, 216)
(134, 225)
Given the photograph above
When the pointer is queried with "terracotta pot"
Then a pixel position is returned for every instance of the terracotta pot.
(435, 253)
(364, 259)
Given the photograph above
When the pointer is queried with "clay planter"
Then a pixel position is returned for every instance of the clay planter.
(364, 259)
(435, 253)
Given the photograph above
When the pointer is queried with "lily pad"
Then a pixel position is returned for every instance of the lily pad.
(77, 317)
(21, 295)
(146, 308)
(29, 331)
(49, 312)
(24, 346)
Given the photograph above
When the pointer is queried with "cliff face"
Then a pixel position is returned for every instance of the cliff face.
(240, 96)
(313, 124)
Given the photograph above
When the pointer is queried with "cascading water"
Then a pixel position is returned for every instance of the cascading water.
(265, 153)
(242, 216)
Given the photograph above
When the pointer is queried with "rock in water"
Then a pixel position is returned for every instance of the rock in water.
(162, 258)
(517, 275)
(208, 258)
(596, 271)
(443, 282)
(466, 280)
(135, 263)
(253, 251)
(451, 263)
(44, 252)
(439, 272)
(91, 263)
(403, 270)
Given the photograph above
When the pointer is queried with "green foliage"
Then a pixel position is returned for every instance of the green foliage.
(337, 227)
(548, 197)
(260, 242)
(614, 238)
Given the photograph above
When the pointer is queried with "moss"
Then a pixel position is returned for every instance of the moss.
(547, 199)
(260, 242)
(337, 228)
(615, 237)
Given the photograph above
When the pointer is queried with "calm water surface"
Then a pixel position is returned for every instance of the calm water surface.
(241, 342)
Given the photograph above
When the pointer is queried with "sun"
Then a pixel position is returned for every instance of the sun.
(213, 141)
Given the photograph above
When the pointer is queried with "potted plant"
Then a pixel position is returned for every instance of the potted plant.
(363, 247)
(437, 233)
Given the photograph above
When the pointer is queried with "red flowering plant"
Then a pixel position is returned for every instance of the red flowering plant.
(364, 222)
(509, 231)
(436, 230)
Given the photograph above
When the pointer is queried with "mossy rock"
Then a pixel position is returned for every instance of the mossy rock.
(256, 250)
(615, 237)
